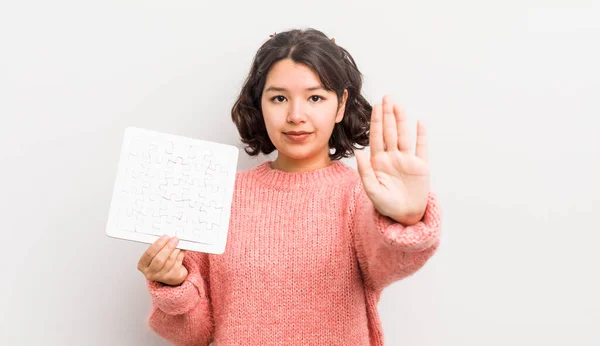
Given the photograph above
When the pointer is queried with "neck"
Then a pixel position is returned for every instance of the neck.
(286, 164)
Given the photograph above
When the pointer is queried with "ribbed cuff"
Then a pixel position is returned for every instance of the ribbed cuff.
(176, 300)
(417, 237)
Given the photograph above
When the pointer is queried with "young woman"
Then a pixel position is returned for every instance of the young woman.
(312, 242)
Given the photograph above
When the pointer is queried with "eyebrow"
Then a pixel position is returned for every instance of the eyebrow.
(280, 89)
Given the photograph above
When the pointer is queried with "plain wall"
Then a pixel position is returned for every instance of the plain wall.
(509, 91)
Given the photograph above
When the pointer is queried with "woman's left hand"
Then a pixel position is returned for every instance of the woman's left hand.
(395, 178)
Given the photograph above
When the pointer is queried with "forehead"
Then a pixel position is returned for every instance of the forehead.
(291, 75)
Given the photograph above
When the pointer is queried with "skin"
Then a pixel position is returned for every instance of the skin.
(295, 100)
(162, 262)
(395, 176)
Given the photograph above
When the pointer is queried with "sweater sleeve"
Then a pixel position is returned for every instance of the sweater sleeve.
(388, 251)
(183, 314)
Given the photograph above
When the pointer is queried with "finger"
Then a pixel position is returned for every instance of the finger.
(171, 261)
(178, 270)
(158, 262)
(152, 250)
(365, 169)
(422, 150)
(376, 132)
(403, 132)
(390, 132)
(179, 261)
(180, 257)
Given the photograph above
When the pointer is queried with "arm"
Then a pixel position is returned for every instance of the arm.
(183, 314)
(387, 250)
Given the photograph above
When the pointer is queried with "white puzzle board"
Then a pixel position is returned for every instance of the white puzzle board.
(175, 185)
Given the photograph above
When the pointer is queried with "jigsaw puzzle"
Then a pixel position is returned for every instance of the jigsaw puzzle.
(175, 185)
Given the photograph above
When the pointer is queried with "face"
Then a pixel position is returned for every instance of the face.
(299, 113)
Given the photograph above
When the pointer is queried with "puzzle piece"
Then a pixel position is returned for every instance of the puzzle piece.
(156, 156)
(131, 215)
(216, 177)
(206, 233)
(176, 168)
(167, 225)
(135, 185)
(213, 214)
(136, 145)
(173, 189)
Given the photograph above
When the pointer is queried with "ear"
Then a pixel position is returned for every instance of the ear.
(340, 112)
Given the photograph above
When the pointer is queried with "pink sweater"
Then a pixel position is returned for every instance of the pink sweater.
(306, 260)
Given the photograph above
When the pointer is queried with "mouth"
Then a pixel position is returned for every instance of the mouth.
(297, 136)
(297, 133)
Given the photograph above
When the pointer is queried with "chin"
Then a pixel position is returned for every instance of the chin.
(298, 153)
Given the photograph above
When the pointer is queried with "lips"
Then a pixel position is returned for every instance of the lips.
(297, 133)
(297, 136)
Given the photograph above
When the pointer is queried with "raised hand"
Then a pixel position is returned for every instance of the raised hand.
(396, 176)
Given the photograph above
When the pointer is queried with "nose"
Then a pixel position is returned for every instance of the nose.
(296, 113)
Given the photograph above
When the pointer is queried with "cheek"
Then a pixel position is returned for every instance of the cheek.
(326, 122)
(272, 120)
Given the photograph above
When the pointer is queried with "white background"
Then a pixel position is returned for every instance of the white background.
(510, 93)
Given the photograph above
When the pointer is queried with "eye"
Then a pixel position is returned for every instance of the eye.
(312, 98)
(278, 98)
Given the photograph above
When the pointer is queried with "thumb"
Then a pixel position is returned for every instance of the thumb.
(365, 169)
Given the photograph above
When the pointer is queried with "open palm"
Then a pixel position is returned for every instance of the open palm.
(396, 176)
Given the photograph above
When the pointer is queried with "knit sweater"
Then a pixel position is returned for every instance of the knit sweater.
(306, 259)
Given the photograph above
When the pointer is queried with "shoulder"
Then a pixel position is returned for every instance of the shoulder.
(349, 183)
(252, 170)
(349, 176)
(350, 179)
(355, 194)
(244, 176)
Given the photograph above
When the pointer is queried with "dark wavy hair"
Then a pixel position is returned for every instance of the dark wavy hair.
(337, 71)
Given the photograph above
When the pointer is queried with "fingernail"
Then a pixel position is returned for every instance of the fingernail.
(174, 241)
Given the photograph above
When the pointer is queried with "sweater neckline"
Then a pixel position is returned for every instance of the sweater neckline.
(291, 180)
